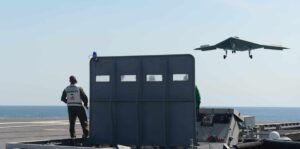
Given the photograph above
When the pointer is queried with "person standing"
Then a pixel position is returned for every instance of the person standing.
(198, 101)
(73, 95)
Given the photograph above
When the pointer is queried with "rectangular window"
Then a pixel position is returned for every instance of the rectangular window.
(154, 78)
(180, 77)
(128, 78)
(102, 78)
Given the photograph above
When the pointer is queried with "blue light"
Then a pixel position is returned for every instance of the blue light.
(94, 54)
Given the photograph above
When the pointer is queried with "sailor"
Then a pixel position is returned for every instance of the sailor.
(198, 101)
(73, 95)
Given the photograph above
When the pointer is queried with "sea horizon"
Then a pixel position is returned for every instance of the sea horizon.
(262, 114)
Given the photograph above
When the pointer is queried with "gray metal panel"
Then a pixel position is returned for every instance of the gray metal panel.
(126, 119)
(181, 119)
(181, 90)
(140, 112)
(101, 121)
(153, 121)
(102, 91)
(127, 90)
(154, 90)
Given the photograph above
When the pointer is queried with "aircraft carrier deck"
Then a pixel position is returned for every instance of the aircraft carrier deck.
(33, 129)
(28, 129)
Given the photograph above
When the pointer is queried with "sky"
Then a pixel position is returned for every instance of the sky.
(42, 43)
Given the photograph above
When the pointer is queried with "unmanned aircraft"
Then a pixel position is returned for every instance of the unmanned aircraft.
(235, 44)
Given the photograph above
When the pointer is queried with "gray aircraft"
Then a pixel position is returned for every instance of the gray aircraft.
(235, 44)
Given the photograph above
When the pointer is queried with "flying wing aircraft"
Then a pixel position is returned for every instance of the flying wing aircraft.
(235, 44)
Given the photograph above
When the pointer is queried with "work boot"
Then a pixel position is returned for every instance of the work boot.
(72, 141)
(84, 136)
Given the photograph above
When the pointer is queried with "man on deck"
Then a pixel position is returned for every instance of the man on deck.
(73, 95)
(198, 101)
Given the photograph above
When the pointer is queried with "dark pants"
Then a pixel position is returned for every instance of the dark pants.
(198, 115)
(74, 112)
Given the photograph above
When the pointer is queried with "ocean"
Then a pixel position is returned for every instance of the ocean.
(272, 114)
(263, 114)
(43, 112)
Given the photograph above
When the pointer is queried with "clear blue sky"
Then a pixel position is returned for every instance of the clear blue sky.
(43, 42)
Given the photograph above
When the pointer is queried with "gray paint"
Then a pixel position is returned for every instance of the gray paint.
(141, 112)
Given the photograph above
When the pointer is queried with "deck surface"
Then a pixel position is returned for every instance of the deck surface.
(16, 130)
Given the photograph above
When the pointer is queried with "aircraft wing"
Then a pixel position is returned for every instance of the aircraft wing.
(231, 44)
(237, 44)
(274, 47)
(206, 48)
